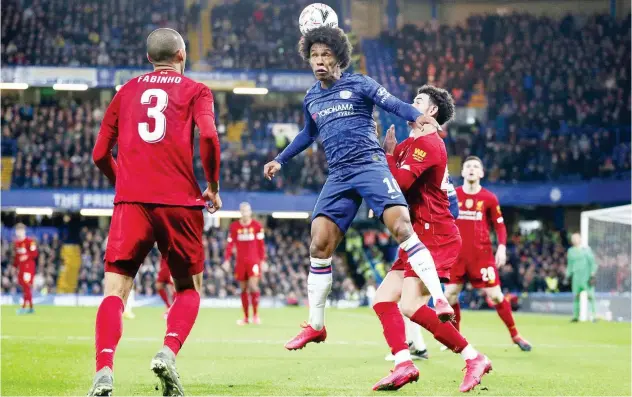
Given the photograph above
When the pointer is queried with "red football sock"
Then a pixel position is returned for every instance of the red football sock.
(442, 332)
(254, 298)
(108, 330)
(457, 316)
(28, 298)
(504, 311)
(181, 318)
(244, 303)
(392, 324)
(165, 297)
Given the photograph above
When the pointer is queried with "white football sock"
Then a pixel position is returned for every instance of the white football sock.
(318, 287)
(469, 353)
(413, 334)
(402, 356)
(422, 263)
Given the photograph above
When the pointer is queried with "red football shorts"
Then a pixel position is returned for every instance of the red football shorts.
(25, 277)
(244, 272)
(136, 227)
(164, 275)
(444, 250)
(478, 267)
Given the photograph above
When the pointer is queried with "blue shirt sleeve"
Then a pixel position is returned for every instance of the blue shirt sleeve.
(302, 141)
(382, 98)
(453, 199)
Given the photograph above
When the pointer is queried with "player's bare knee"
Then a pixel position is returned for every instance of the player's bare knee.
(402, 229)
(321, 247)
(495, 294)
(409, 307)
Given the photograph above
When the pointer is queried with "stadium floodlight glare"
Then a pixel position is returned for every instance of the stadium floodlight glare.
(34, 211)
(290, 215)
(227, 214)
(250, 90)
(13, 86)
(70, 87)
(96, 212)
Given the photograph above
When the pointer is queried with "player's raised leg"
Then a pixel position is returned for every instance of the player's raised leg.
(397, 219)
(326, 236)
(503, 308)
(385, 306)
(414, 306)
(255, 293)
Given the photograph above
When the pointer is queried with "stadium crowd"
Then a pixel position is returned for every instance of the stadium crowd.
(257, 35)
(285, 278)
(48, 264)
(51, 144)
(90, 33)
(536, 263)
(562, 112)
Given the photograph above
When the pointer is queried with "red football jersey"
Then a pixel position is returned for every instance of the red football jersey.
(475, 213)
(248, 240)
(25, 254)
(427, 159)
(152, 119)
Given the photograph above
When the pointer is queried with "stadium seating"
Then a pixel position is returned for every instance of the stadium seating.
(541, 124)
(257, 35)
(83, 33)
(287, 250)
(48, 263)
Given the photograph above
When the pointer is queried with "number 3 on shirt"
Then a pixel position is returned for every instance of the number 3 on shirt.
(156, 113)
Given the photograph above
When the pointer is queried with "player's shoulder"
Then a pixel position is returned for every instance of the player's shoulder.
(488, 193)
(256, 223)
(459, 189)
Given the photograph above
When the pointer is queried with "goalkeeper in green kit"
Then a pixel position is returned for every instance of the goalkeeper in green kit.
(581, 269)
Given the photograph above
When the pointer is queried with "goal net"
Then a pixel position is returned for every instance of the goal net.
(608, 233)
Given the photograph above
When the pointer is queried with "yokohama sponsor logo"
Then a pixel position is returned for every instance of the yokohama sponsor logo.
(470, 215)
(344, 107)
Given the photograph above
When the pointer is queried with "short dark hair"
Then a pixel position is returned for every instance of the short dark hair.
(442, 99)
(163, 44)
(334, 38)
(475, 158)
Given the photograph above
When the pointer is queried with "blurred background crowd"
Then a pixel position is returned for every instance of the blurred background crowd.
(561, 113)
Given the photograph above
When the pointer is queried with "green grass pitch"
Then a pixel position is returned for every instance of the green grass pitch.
(51, 353)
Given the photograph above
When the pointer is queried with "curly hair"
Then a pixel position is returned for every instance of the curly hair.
(334, 38)
(442, 99)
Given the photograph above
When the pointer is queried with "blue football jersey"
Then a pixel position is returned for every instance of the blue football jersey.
(342, 116)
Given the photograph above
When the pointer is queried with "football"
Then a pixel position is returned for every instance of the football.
(317, 15)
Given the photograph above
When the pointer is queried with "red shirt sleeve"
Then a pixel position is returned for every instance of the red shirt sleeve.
(32, 250)
(418, 159)
(209, 140)
(261, 244)
(496, 215)
(230, 242)
(102, 153)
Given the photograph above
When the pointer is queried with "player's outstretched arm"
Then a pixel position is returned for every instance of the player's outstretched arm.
(302, 141)
(382, 98)
(108, 133)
